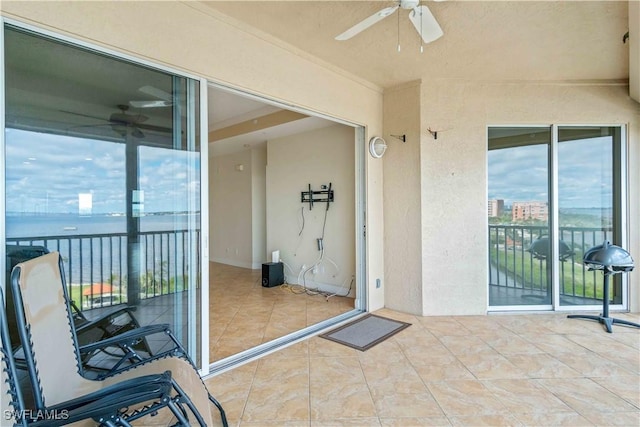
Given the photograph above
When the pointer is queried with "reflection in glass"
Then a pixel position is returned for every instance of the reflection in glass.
(103, 165)
(586, 207)
(518, 209)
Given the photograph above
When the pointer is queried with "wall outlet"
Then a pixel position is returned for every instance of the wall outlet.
(315, 269)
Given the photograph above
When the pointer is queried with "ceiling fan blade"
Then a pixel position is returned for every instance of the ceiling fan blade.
(158, 93)
(425, 23)
(363, 25)
(150, 104)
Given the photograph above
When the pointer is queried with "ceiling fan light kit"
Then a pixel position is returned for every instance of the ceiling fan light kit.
(420, 16)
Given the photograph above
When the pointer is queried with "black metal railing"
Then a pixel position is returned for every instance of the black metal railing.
(518, 258)
(96, 264)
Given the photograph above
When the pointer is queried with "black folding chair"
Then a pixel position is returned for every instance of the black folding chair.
(106, 407)
(52, 353)
(88, 330)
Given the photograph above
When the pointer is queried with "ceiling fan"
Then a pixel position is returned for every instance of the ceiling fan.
(420, 16)
(164, 98)
(120, 122)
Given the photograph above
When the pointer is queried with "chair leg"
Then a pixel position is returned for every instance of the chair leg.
(223, 416)
(184, 398)
(178, 413)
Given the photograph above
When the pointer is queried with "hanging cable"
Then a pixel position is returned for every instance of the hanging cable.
(302, 229)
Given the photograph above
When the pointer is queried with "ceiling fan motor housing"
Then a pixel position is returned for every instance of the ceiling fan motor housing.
(409, 4)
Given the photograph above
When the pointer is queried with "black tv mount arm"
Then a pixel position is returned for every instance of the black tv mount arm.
(323, 195)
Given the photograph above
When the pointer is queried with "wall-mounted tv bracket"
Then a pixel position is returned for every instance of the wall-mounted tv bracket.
(325, 194)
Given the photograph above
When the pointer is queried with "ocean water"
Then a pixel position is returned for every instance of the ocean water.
(22, 226)
(90, 259)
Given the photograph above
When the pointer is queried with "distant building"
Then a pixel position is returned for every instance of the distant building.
(495, 207)
(522, 211)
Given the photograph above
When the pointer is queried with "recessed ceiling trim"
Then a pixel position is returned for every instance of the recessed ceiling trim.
(258, 123)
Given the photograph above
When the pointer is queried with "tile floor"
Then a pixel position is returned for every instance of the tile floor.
(243, 314)
(516, 370)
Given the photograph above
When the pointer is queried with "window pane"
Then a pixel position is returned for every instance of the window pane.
(586, 207)
(103, 165)
(518, 209)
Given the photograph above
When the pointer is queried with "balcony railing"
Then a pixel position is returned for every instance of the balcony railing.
(96, 264)
(515, 263)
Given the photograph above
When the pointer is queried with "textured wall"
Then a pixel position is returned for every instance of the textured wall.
(454, 173)
(402, 208)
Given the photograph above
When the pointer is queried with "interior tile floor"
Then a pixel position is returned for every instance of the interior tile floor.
(516, 370)
(243, 313)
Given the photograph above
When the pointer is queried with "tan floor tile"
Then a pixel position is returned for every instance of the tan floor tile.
(485, 420)
(274, 423)
(465, 397)
(348, 401)
(347, 422)
(534, 369)
(466, 345)
(508, 344)
(278, 401)
(436, 354)
(445, 325)
(454, 370)
(626, 387)
(614, 419)
(525, 396)
(542, 366)
(491, 366)
(594, 365)
(320, 347)
(399, 404)
(415, 422)
(584, 395)
(549, 419)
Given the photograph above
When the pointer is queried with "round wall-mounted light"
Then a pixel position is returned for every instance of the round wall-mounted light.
(377, 147)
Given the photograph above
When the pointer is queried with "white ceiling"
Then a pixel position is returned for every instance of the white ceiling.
(483, 40)
(226, 108)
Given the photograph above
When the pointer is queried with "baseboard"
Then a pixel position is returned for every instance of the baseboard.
(234, 262)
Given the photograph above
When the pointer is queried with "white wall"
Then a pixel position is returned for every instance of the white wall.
(230, 209)
(259, 206)
(317, 157)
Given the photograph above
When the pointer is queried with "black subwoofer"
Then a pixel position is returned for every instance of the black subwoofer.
(272, 274)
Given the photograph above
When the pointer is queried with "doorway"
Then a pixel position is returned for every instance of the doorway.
(554, 193)
(282, 193)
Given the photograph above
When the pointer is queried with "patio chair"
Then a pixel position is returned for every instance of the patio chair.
(88, 331)
(52, 354)
(149, 394)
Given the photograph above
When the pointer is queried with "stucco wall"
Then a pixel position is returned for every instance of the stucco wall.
(402, 196)
(454, 174)
(191, 37)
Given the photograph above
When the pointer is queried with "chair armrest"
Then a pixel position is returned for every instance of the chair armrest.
(127, 338)
(108, 401)
(106, 319)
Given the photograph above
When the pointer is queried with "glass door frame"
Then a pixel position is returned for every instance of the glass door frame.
(360, 304)
(620, 199)
(203, 367)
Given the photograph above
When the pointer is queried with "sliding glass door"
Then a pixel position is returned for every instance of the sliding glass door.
(554, 192)
(102, 161)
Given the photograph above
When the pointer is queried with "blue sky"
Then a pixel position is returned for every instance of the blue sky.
(584, 173)
(46, 173)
